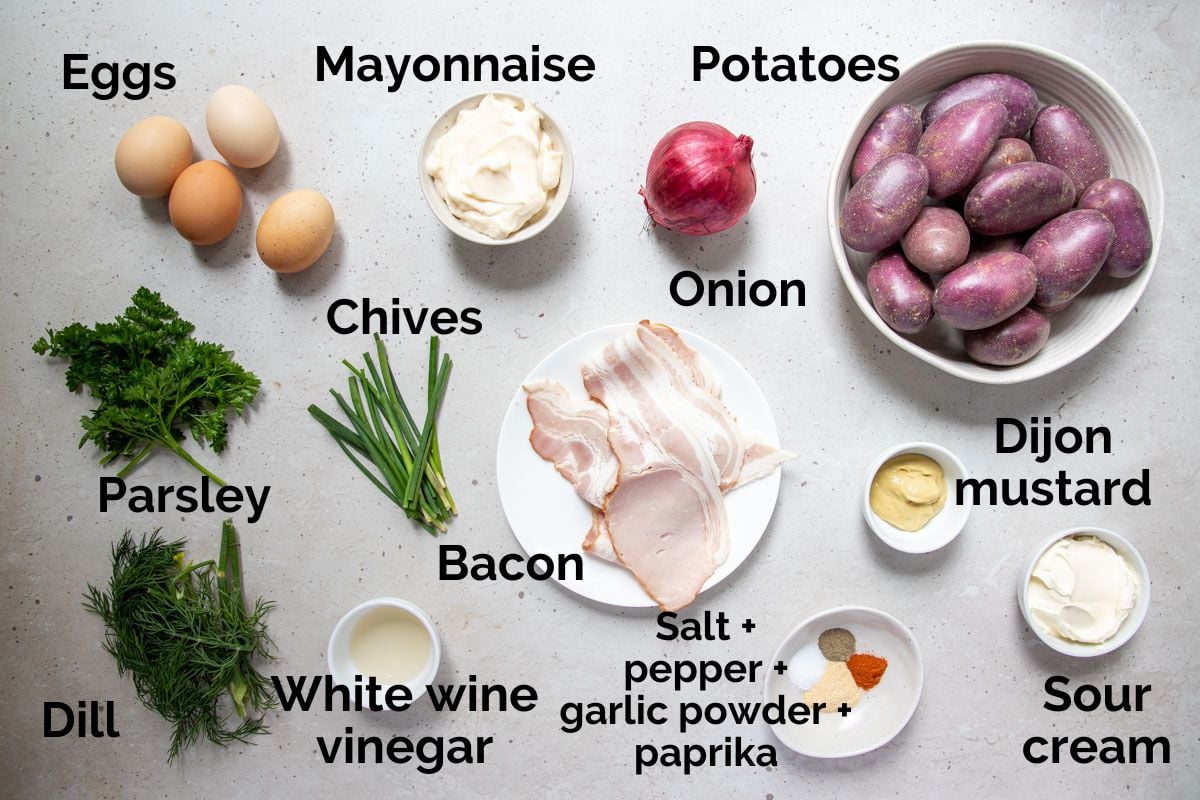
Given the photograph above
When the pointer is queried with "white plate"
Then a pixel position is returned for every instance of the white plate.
(546, 514)
(883, 711)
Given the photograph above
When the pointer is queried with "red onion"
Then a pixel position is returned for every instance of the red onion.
(700, 179)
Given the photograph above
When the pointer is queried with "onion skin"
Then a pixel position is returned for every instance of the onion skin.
(700, 179)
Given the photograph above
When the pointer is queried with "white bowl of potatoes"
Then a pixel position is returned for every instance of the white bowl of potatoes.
(1096, 311)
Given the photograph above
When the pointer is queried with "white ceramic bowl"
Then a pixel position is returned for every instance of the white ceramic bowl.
(1058, 79)
(1132, 622)
(944, 526)
(558, 197)
(341, 665)
(883, 711)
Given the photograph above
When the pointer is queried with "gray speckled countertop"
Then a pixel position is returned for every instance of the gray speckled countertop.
(76, 245)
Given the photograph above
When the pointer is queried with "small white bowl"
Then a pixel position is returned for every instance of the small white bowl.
(944, 526)
(1128, 627)
(558, 197)
(884, 710)
(1058, 79)
(341, 665)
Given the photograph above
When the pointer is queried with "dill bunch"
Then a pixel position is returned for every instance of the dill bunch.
(184, 635)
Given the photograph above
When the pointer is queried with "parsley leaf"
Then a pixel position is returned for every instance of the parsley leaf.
(153, 381)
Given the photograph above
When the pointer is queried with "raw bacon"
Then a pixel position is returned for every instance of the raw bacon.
(652, 452)
(572, 434)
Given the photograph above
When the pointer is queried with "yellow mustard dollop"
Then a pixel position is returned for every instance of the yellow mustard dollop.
(908, 491)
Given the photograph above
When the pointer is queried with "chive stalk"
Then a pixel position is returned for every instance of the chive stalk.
(383, 433)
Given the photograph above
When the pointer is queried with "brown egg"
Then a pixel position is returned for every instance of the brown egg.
(152, 154)
(295, 230)
(205, 202)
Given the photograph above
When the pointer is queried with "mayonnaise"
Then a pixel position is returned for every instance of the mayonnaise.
(1082, 590)
(495, 168)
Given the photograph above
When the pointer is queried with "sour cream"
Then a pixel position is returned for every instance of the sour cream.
(1082, 590)
(496, 167)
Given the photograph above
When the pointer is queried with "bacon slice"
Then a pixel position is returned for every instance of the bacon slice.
(693, 380)
(761, 460)
(598, 542)
(663, 522)
(665, 517)
(572, 434)
(701, 375)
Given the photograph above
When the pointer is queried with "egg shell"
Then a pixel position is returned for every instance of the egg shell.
(152, 154)
(241, 126)
(295, 230)
(205, 202)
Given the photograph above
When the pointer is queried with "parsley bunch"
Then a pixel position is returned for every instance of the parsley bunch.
(153, 381)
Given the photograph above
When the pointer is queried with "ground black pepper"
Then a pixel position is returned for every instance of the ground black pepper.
(837, 644)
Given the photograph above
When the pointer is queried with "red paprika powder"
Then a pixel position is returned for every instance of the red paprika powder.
(866, 669)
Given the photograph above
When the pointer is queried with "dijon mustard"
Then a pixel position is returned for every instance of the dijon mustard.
(908, 491)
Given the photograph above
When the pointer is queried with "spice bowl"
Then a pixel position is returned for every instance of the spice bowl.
(539, 223)
(342, 665)
(944, 526)
(883, 711)
(1128, 628)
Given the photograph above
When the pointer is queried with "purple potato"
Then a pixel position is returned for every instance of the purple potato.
(983, 292)
(1049, 310)
(938, 240)
(982, 245)
(1122, 205)
(880, 207)
(1019, 99)
(896, 130)
(1067, 252)
(902, 295)
(1061, 137)
(1013, 341)
(1018, 198)
(955, 146)
(1006, 153)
